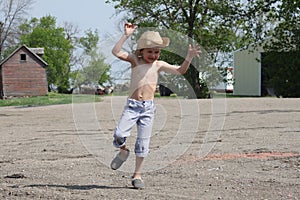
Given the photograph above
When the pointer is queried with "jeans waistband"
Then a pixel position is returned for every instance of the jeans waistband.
(139, 103)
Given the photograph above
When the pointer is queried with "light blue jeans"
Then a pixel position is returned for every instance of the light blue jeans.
(140, 113)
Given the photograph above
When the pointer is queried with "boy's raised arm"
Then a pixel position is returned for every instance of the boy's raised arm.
(117, 49)
(192, 52)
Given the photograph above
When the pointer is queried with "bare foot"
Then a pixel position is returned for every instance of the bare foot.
(137, 176)
(124, 153)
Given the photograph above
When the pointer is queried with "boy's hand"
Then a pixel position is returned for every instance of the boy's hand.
(129, 28)
(194, 51)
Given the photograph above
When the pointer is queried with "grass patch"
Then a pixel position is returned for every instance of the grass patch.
(157, 95)
(50, 99)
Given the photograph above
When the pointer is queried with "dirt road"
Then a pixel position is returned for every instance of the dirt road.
(235, 148)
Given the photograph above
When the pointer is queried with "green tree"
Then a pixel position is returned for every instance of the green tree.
(44, 33)
(285, 36)
(219, 26)
(89, 42)
(282, 71)
(93, 70)
(282, 58)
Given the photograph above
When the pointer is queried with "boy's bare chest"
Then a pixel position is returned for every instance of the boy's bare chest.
(145, 72)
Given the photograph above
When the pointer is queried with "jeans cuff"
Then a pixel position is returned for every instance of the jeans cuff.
(119, 142)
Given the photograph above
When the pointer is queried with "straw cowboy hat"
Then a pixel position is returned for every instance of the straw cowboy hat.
(152, 39)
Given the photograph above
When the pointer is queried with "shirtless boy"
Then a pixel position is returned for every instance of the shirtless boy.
(140, 107)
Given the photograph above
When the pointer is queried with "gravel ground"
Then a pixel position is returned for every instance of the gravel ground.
(234, 148)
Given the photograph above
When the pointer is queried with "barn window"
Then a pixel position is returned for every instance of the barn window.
(23, 56)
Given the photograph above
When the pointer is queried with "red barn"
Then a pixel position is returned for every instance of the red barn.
(23, 73)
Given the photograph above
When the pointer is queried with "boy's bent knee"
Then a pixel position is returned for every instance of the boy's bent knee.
(119, 141)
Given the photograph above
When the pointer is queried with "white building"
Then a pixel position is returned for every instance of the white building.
(247, 72)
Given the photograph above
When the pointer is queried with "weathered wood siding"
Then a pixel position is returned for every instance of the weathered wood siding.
(24, 77)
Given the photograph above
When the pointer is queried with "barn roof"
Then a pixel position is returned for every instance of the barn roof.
(30, 50)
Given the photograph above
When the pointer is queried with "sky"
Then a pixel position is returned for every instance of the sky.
(89, 14)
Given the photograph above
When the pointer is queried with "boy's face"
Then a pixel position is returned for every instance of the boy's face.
(151, 54)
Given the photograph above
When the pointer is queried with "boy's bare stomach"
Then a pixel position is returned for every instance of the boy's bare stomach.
(143, 93)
